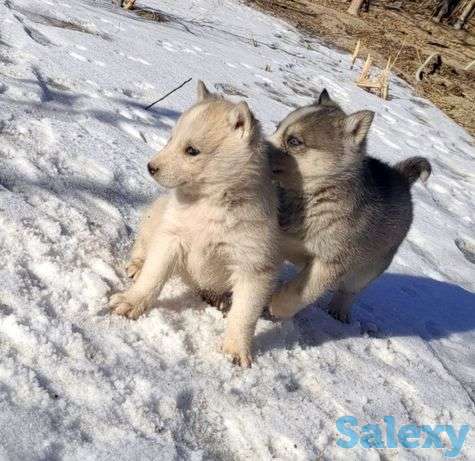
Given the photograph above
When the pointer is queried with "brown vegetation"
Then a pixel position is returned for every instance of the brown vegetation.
(404, 27)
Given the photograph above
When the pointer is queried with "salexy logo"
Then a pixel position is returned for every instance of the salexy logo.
(410, 436)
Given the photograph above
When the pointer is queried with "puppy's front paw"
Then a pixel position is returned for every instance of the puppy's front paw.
(122, 304)
(134, 267)
(239, 354)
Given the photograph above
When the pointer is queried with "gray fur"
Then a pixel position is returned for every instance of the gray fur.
(414, 168)
(342, 213)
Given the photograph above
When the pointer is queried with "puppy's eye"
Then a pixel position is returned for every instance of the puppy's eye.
(190, 150)
(293, 141)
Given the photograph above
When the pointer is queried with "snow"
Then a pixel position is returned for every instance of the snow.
(78, 383)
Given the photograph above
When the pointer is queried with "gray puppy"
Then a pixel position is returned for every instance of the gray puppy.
(342, 213)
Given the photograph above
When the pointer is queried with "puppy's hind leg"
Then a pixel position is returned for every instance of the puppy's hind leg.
(311, 283)
(351, 286)
(221, 301)
(340, 305)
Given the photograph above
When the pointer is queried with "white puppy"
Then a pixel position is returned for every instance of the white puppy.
(217, 228)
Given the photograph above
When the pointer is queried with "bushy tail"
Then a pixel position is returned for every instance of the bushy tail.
(414, 168)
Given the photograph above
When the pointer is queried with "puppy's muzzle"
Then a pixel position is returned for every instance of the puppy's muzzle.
(153, 170)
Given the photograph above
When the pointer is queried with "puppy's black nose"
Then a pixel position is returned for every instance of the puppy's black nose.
(152, 169)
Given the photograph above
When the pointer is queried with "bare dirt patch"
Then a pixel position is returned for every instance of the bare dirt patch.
(385, 32)
(151, 14)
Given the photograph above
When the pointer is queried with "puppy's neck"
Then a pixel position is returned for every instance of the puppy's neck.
(186, 195)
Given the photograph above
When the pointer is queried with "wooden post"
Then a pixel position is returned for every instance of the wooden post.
(468, 10)
(444, 9)
(366, 68)
(355, 53)
(379, 84)
(355, 7)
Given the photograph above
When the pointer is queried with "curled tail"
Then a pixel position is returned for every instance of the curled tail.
(414, 168)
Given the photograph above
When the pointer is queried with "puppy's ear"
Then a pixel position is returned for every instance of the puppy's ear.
(202, 92)
(325, 100)
(358, 124)
(324, 97)
(241, 118)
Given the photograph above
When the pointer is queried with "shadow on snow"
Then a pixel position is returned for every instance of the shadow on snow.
(396, 304)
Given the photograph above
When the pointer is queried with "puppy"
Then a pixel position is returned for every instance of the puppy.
(217, 228)
(342, 213)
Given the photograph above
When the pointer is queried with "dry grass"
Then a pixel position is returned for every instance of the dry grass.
(385, 32)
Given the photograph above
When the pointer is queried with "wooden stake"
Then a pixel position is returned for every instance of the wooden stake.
(379, 84)
(355, 53)
(465, 14)
(366, 68)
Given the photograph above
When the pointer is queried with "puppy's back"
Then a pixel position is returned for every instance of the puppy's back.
(388, 205)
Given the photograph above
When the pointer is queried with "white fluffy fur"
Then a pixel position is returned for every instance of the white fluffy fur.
(217, 228)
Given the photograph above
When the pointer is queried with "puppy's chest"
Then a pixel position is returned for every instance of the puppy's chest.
(209, 244)
(206, 246)
(316, 220)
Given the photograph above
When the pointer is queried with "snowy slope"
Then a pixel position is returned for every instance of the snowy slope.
(77, 383)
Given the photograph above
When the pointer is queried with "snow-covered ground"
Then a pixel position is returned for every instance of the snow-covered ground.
(78, 383)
